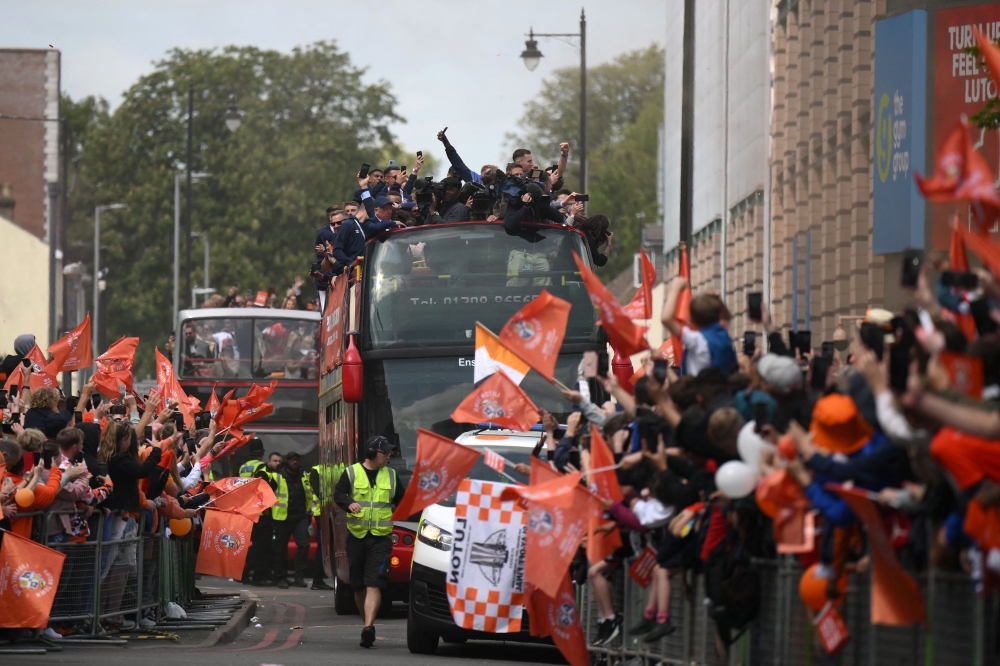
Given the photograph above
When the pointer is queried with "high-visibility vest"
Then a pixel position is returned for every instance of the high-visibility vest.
(280, 510)
(307, 484)
(375, 517)
(249, 468)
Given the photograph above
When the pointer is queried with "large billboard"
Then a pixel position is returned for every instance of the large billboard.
(900, 128)
(961, 87)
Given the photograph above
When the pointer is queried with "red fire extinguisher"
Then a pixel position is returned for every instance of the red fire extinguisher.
(352, 372)
(622, 367)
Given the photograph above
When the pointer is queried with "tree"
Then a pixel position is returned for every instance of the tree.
(624, 113)
(308, 123)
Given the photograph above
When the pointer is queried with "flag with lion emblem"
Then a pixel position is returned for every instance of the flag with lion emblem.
(441, 465)
(29, 578)
(225, 540)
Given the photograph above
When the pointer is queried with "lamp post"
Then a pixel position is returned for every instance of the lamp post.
(532, 56)
(233, 119)
(95, 321)
(203, 235)
(195, 177)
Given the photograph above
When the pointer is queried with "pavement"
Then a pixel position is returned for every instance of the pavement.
(293, 627)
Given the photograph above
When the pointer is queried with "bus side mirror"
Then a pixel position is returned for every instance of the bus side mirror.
(352, 371)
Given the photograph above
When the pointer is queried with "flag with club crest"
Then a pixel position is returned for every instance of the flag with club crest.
(535, 333)
(491, 356)
(500, 401)
(29, 578)
(441, 465)
(77, 342)
(556, 615)
(624, 335)
(225, 539)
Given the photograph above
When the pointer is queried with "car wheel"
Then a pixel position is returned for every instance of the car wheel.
(343, 598)
(419, 641)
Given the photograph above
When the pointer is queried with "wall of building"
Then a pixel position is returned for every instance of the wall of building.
(24, 300)
(29, 160)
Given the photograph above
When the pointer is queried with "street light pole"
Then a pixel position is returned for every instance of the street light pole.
(194, 178)
(531, 56)
(187, 168)
(96, 319)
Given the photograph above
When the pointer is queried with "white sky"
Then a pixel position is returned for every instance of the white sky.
(451, 63)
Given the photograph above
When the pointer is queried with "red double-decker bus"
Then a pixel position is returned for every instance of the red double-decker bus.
(410, 310)
(239, 347)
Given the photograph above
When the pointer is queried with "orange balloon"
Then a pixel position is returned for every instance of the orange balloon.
(812, 589)
(24, 498)
(180, 526)
(786, 448)
(768, 507)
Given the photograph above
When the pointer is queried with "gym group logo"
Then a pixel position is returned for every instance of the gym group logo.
(30, 582)
(229, 542)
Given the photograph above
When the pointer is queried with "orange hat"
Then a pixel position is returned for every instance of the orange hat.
(837, 425)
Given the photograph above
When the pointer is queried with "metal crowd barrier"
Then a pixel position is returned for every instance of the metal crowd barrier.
(963, 628)
(124, 569)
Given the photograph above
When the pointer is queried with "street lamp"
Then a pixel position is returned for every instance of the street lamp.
(95, 321)
(233, 116)
(532, 56)
(195, 177)
(203, 235)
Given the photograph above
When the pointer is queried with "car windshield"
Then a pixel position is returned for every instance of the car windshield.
(429, 286)
(513, 454)
(244, 348)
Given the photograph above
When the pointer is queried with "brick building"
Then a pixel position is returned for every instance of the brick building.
(29, 164)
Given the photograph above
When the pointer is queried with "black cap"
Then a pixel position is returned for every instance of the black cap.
(292, 456)
(451, 182)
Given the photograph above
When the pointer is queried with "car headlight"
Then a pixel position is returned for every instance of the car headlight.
(434, 536)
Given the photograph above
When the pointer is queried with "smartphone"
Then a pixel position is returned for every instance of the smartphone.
(46, 458)
(754, 300)
(803, 341)
(827, 350)
(582, 197)
(202, 420)
(749, 343)
(873, 337)
(364, 170)
(660, 369)
(981, 314)
(403, 168)
(535, 174)
(95, 400)
(78, 417)
(820, 368)
(179, 421)
(117, 410)
(913, 260)
(958, 280)
(13, 390)
(761, 415)
(899, 367)
(420, 153)
(78, 458)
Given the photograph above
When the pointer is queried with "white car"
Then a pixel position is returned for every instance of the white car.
(430, 615)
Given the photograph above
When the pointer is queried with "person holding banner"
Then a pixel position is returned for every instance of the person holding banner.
(367, 492)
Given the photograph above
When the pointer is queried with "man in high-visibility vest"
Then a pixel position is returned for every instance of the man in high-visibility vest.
(259, 557)
(292, 515)
(256, 449)
(319, 482)
(367, 492)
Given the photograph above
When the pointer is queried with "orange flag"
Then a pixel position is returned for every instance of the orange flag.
(624, 335)
(170, 388)
(221, 416)
(962, 174)
(601, 545)
(896, 598)
(989, 52)
(683, 311)
(46, 376)
(641, 306)
(29, 577)
(77, 342)
(37, 358)
(536, 331)
(226, 484)
(16, 378)
(983, 524)
(556, 615)
(256, 396)
(236, 441)
(558, 519)
(985, 249)
(213, 401)
(541, 472)
(603, 484)
(498, 400)
(115, 365)
(225, 539)
(958, 260)
(441, 465)
(248, 500)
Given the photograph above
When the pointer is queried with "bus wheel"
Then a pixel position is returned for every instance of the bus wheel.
(417, 641)
(343, 598)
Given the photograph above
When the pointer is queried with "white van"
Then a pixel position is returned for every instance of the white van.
(430, 615)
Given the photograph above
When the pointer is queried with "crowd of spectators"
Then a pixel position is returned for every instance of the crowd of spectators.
(896, 409)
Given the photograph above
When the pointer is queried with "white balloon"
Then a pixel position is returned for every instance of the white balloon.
(751, 446)
(736, 479)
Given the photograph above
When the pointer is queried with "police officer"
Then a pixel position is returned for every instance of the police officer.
(319, 482)
(256, 448)
(367, 492)
(259, 555)
(292, 515)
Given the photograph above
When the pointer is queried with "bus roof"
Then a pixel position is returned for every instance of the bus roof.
(248, 313)
(498, 223)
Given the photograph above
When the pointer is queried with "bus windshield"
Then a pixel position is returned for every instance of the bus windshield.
(429, 286)
(249, 348)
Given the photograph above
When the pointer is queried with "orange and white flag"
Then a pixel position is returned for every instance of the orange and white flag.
(29, 578)
(491, 356)
(441, 465)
